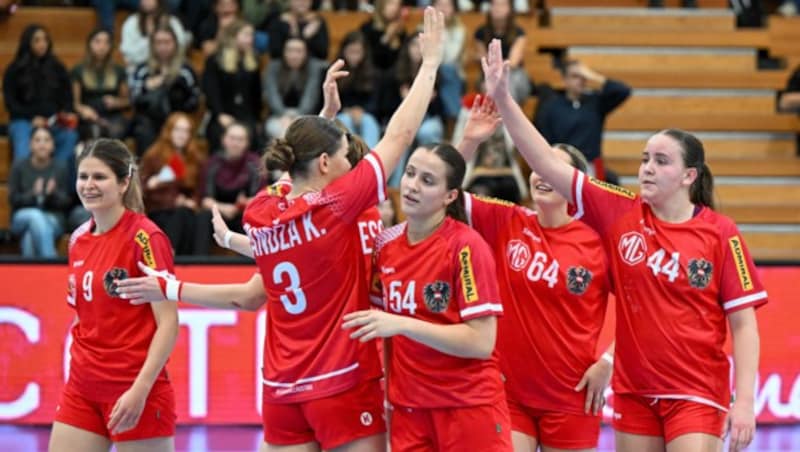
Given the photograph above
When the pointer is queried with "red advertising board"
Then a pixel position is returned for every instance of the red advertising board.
(214, 365)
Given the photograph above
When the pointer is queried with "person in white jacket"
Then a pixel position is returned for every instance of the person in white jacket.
(136, 30)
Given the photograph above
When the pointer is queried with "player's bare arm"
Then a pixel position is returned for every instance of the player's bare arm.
(248, 296)
(472, 339)
(128, 408)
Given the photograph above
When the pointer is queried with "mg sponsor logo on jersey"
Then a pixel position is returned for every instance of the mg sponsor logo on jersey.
(632, 247)
(519, 254)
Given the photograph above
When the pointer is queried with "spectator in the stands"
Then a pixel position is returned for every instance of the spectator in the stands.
(292, 86)
(162, 85)
(358, 91)
(789, 100)
(232, 84)
(106, 9)
(229, 180)
(100, 90)
(501, 24)
(207, 36)
(303, 23)
(578, 116)
(37, 93)
(39, 195)
(139, 26)
(169, 172)
(789, 8)
(386, 32)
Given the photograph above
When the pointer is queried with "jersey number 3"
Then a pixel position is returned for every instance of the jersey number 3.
(279, 274)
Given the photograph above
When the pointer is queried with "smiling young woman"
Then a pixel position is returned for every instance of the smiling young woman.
(118, 390)
(680, 272)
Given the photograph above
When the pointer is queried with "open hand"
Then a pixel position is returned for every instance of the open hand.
(483, 120)
(431, 40)
(495, 71)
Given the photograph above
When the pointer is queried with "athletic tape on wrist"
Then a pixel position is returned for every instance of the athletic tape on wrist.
(226, 240)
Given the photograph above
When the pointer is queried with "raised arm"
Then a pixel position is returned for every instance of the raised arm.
(531, 144)
(402, 128)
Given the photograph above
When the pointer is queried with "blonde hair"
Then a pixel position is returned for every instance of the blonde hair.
(229, 54)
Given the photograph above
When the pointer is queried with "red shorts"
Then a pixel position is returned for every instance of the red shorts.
(484, 428)
(556, 429)
(330, 421)
(668, 418)
(157, 419)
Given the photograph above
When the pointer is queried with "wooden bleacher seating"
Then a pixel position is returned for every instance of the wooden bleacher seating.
(574, 19)
(758, 204)
(5, 159)
(632, 3)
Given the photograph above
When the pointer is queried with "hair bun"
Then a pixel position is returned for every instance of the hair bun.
(279, 155)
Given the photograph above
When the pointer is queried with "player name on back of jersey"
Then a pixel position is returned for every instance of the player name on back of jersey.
(283, 236)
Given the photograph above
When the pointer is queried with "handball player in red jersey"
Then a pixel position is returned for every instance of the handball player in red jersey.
(553, 278)
(436, 279)
(681, 274)
(321, 389)
(118, 390)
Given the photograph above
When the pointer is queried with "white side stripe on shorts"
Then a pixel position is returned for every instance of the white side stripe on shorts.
(691, 398)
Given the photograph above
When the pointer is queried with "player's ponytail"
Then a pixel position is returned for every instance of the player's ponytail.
(132, 199)
(122, 163)
(694, 156)
(456, 167)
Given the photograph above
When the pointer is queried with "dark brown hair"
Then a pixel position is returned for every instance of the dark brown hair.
(122, 163)
(456, 168)
(694, 156)
(357, 148)
(508, 33)
(306, 138)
